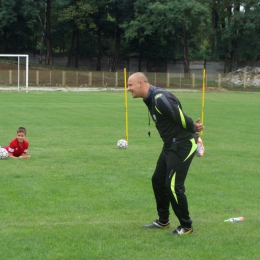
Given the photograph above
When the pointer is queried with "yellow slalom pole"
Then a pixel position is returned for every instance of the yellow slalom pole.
(203, 99)
(126, 108)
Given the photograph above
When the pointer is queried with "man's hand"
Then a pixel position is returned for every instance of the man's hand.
(198, 125)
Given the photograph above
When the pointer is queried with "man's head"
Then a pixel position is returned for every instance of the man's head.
(138, 85)
(21, 134)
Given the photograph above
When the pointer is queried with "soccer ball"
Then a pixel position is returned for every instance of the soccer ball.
(122, 144)
(3, 153)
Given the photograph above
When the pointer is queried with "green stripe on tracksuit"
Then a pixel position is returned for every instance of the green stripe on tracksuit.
(168, 181)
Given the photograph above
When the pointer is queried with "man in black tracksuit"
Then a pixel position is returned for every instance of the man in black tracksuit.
(177, 132)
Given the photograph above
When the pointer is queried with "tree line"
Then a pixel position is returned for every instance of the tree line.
(167, 30)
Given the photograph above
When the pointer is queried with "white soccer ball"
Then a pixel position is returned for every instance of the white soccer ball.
(122, 144)
(3, 153)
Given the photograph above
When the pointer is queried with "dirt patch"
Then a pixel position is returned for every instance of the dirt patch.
(216, 89)
(10, 66)
(81, 89)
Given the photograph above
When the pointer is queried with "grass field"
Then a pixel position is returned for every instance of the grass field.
(80, 197)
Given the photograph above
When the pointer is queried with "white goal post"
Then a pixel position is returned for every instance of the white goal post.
(26, 67)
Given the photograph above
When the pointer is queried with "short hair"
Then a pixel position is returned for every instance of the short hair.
(21, 130)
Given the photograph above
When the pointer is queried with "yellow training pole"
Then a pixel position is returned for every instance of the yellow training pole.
(203, 99)
(126, 108)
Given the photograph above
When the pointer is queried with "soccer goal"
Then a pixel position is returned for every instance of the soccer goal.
(18, 68)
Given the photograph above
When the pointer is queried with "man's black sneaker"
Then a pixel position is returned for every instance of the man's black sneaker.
(182, 231)
(157, 224)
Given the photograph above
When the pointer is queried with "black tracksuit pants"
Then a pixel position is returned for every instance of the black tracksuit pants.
(168, 181)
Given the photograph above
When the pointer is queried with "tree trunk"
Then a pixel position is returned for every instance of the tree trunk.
(77, 49)
(234, 61)
(234, 43)
(214, 24)
(140, 58)
(234, 55)
(3, 47)
(117, 50)
(71, 51)
(48, 31)
(205, 64)
(98, 67)
(186, 62)
(42, 33)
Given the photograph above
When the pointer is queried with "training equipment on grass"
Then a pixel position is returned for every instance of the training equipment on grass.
(238, 219)
(122, 144)
(3, 153)
(126, 106)
(203, 99)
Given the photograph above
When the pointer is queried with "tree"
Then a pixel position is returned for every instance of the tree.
(7, 17)
(167, 19)
(48, 31)
(103, 23)
(83, 18)
(238, 29)
(18, 25)
(75, 17)
(121, 11)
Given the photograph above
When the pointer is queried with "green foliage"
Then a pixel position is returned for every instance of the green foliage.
(7, 14)
(79, 197)
(163, 20)
(237, 30)
(165, 29)
(18, 25)
(79, 12)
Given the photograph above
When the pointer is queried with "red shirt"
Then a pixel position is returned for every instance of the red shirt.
(16, 148)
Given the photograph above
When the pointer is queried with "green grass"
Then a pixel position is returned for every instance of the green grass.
(79, 197)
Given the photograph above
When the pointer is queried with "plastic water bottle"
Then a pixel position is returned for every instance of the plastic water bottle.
(238, 219)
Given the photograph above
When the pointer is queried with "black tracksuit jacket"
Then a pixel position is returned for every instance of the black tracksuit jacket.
(173, 125)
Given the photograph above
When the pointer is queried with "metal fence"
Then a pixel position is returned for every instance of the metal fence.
(62, 78)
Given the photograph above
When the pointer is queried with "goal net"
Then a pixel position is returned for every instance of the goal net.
(19, 56)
